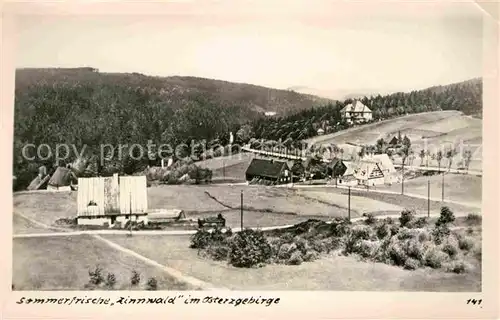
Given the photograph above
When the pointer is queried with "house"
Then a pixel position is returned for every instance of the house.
(356, 112)
(109, 200)
(368, 173)
(320, 132)
(394, 141)
(61, 180)
(268, 170)
(336, 168)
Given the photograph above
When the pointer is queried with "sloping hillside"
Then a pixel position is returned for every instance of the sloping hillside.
(176, 89)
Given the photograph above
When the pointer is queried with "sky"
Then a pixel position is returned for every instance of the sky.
(324, 47)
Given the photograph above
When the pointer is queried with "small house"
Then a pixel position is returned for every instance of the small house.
(165, 216)
(269, 170)
(320, 132)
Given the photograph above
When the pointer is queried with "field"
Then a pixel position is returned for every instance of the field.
(62, 263)
(328, 273)
(461, 188)
(430, 131)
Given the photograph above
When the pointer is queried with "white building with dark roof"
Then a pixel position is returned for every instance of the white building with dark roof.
(356, 112)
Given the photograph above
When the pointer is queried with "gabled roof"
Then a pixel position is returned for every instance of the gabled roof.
(266, 168)
(384, 162)
(363, 169)
(62, 177)
(356, 106)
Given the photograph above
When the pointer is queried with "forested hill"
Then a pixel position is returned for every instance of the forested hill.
(174, 90)
(464, 96)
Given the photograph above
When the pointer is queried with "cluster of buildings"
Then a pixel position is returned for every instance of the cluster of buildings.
(370, 170)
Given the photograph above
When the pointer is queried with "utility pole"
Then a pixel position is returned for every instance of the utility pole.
(349, 203)
(428, 198)
(403, 179)
(241, 210)
(130, 210)
(442, 188)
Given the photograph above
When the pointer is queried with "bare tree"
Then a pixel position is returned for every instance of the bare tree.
(439, 158)
(422, 156)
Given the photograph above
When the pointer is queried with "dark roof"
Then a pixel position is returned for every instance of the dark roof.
(266, 168)
(394, 140)
(336, 161)
(62, 177)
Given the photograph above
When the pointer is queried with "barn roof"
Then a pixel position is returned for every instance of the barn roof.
(62, 177)
(266, 168)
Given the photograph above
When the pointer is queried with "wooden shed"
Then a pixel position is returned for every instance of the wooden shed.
(104, 200)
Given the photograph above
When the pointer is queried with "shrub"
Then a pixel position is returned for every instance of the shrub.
(201, 239)
(357, 234)
(439, 233)
(457, 267)
(219, 252)
(152, 284)
(249, 248)
(421, 222)
(446, 217)
(396, 254)
(423, 236)
(135, 279)
(96, 277)
(295, 259)
(339, 227)
(405, 233)
(450, 247)
(366, 248)
(110, 280)
(473, 219)
(434, 258)
(411, 264)
(370, 219)
(285, 251)
(383, 230)
(388, 220)
(407, 216)
(465, 243)
(414, 249)
(311, 255)
(394, 229)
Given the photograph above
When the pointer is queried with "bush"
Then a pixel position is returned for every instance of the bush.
(414, 249)
(473, 219)
(457, 267)
(383, 230)
(478, 254)
(439, 233)
(446, 217)
(339, 227)
(311, 255)
(295, 259)
(423, 236)
(219, 252)
(434, 258)
(285, 251)
(135, 279)
(354, 238)
(249, 248)
(96, 277)
(152, 284)
(411, 264)
(396, 254)
(110, 280)
(450, 247)
(421, 222)
(366, 248)
(394, 229)
(407, 216)
(370, 219)
(465, 243)
(405, 233)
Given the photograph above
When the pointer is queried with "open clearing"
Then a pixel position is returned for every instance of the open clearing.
(457, 187)
(62, 263)
(328, 273)
(263, 206)
(430, 131)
